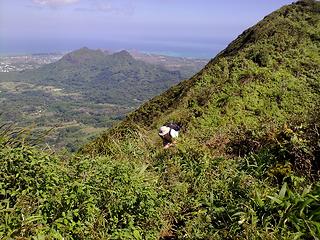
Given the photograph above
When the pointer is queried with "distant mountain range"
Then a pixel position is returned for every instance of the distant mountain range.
(105, 78)
(246, 164)
(88, 87)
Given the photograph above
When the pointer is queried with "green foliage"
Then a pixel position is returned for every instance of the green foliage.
(47, 195)
(246, 165)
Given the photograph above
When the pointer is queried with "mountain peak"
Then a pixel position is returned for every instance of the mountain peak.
(123, 54)
(82, 55)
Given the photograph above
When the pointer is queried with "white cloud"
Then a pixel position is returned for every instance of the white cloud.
(54, 3)
(125, 7)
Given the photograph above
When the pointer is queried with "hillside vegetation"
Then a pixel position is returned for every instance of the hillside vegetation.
(107, 78)
(82, 94)
(245, 167)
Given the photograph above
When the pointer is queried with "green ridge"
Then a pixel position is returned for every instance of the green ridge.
(265, 78)
(245, 167)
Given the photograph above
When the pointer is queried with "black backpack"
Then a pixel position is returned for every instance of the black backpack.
(173, 126)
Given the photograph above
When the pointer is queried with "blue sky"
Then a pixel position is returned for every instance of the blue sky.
(199, 28)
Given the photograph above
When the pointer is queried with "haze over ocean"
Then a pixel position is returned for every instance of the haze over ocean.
(187, 28)
(181, 49)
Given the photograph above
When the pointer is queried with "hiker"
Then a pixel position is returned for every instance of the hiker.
(168, 133)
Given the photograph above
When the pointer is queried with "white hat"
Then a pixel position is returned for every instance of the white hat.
(164, 130)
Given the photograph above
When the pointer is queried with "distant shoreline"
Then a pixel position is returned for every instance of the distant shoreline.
(178, 49)
(164, 53)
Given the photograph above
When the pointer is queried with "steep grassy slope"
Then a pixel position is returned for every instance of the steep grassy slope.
(257, 100)
(267, 77)
(245, 167)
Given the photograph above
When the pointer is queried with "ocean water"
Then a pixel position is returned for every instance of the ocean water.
(204, 49)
